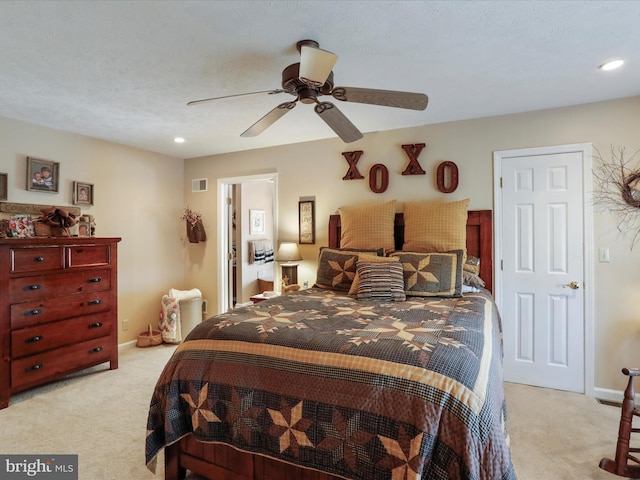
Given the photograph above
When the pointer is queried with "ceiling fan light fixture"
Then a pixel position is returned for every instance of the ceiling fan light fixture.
(315, 65)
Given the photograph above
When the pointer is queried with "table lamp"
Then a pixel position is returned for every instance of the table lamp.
(287, 254)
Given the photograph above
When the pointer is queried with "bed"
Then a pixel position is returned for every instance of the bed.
(319, 385)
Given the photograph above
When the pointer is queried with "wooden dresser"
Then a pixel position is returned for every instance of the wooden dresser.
(58, 309)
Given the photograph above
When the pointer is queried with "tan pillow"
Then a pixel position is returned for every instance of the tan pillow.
(435, 227)
(369, 226)
(365, 258)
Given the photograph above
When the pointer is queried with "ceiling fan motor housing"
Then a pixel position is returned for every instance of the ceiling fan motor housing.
(292, 84)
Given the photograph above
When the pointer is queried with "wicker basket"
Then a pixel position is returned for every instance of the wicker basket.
(150, 338)
(44, 230)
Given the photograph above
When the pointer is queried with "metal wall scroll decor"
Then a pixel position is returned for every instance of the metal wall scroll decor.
(446, 173)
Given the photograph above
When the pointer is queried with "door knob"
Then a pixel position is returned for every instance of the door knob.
(573, 285)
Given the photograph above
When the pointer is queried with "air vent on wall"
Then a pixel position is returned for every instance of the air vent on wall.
(199, 184)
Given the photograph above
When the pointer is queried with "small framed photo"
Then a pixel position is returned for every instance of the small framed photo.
(21, 226)
(82, 193)
(42, 175)
(307, 222)
(84, 229)
(256, 222)
(4, 186)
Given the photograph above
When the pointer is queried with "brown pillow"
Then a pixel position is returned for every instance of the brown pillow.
(368, 258)
(369, 226)
(337, 267)
(432, 274)
(435, 227)
(381, 281)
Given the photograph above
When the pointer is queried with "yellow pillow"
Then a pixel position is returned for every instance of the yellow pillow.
(369, 226)
(368, 259)
(435, 227)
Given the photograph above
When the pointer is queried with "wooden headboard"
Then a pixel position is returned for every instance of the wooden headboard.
(479, 239)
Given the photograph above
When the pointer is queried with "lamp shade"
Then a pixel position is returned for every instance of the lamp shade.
(288, 252)
(315, 65)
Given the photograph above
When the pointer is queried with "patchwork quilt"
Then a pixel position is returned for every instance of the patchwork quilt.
(359, 389)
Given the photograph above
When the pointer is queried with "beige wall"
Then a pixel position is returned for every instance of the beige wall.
(138, 197)
(316, 169)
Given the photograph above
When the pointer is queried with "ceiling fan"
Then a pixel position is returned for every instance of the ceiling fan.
(312, 78)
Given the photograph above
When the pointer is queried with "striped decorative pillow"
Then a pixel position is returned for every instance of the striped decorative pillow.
(380, 281)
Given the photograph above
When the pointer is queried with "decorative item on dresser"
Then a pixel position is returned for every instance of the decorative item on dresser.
(58, 311)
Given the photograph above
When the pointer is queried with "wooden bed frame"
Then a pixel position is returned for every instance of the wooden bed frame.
(221, 462)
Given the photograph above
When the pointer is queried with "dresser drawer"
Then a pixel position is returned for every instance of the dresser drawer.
(88, 255)
(45, 286)
(36, 259)
(27, 341)
(28, 314)
(37, 368)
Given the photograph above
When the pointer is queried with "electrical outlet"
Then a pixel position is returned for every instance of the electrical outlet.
(125, 324)
(205, 306)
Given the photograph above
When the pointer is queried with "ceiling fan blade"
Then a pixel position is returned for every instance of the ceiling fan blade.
(386, 98)
(268, 120)
(205, 100)
(315, 65)
(340, 124)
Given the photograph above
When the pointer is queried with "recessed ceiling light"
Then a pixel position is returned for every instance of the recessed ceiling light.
(178, 140)
(612, 65)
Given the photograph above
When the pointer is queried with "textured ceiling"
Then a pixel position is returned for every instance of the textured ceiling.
(123, 71)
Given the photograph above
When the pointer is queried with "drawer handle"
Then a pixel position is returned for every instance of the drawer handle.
(34, 368)
(32, 287)
(95, 325)
(35, 311)
(35, 339)
(95, 302)
(95, 280)
(96, 350)
(38, 259)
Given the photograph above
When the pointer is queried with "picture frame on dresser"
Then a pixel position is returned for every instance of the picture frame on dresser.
(82, 193)
(42, 175)
(4, 186)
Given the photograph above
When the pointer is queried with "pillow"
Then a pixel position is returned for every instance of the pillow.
(432, 274)
(435, 227)
(472, 265)
(380, 281)
(337, 267)
(369, 226)
(472, 280)
(366, 257)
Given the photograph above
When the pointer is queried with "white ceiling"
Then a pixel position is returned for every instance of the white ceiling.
(123, 71)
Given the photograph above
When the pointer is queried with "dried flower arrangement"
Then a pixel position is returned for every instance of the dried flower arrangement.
(619, 191)
(195, 227)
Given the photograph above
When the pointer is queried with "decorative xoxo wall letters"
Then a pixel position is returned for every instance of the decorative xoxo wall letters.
(379, 173)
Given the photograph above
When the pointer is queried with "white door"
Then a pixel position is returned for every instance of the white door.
(542, 210)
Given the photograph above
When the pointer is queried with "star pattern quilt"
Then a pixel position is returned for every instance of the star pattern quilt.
(359, 389)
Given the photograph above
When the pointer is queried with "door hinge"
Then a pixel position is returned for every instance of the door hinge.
(228, 200)
(501, 264)
(500, 182)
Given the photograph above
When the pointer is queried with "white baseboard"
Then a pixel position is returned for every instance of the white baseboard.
(609, 395)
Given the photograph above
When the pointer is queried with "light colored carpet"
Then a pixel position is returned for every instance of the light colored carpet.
(101, 416)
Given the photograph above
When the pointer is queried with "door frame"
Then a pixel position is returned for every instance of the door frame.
(586, 149)
(223, 229)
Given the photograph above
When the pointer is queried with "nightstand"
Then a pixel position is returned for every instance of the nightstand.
(261, 297)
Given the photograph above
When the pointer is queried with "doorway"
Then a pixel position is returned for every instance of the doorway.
(543, 251)
(232, 245)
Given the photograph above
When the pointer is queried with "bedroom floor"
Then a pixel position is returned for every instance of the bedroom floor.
(101, 416)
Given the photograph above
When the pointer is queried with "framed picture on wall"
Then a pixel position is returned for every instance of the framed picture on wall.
(256, 222)
(4, 186)
(82, 193)
(42, 175)
(306, 222)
